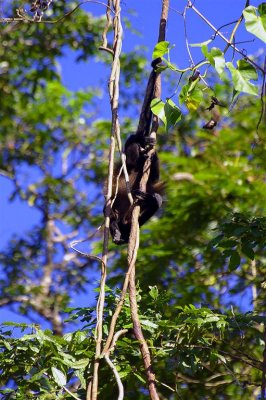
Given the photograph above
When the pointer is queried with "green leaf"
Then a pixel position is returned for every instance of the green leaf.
(205, 50)
(240, 78)
(247, 70)
(216, 240)
(139, 378)
(248, 251)
(191, 95)
(157, 107)
(216, 57)
(154, 292)
(256, 24)
(148, 324)
(234, 261)
(7, 345)
(167, 112)
(81, 364)
(160, 50)
(59, 377)
(172, 114)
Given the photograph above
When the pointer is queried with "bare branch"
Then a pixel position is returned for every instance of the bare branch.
(115, 133)
(111, 364)
(190, 5)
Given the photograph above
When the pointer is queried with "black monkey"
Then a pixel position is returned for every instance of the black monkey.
(136, 149)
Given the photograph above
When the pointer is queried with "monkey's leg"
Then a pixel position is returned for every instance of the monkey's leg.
(149, 204)
(115, 231)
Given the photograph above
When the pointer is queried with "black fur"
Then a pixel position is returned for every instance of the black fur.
(137, 147)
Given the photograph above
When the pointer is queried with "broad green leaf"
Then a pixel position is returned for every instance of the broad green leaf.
(256, 24)
(139, 377)
(167, 112)
(216, 57)
(147, 323)
(247, 70)
(248, 251)
(153, 292)
(172, 114)
(157, 107)
(81, 364)
(59, 377)
(205, 50)
(240, 80)
(7, 345)
(160, 50)
(80, 374)
(219, 61)
(191, 95)
(194, 99)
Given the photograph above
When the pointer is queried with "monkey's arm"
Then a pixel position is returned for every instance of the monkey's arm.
(136, 149)
(146, 114)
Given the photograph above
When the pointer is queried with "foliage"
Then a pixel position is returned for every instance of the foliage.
(186, 342)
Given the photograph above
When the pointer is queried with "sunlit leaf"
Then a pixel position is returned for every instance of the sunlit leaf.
(153, 292)
(172, 114)
(216, 57)
(160, 50)
(191, 95)
(157, 107)
(256, 24)
(59, 377)
(240, 78)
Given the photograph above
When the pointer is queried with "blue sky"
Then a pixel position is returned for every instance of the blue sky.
(145, 18)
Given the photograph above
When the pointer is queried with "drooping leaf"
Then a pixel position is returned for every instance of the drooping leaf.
(191, 95)
(167, 112)
(172, 114)
(248, 251)
(216, 58)
(59, 377)
(157, 107)
(160, 49)
(241, 77)
(154, 292)
(256, 24)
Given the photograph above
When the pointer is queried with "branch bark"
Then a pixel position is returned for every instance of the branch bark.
(134, 235)
(92, 390)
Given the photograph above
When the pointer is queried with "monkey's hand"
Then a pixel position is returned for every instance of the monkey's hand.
(149, 141)
(139, 196)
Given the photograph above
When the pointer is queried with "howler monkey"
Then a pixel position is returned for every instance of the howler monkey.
(137, 147)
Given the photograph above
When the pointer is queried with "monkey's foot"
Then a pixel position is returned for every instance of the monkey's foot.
(117, 237)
